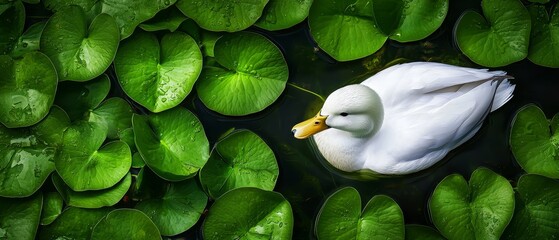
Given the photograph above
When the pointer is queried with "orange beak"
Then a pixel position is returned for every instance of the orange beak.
(310, 127)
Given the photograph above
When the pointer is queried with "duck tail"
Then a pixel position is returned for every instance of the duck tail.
(504, 91)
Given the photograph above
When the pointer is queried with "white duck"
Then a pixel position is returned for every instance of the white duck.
(405, 118)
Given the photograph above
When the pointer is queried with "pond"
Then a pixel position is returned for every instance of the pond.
(305, 178)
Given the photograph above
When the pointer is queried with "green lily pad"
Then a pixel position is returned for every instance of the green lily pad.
(19, 218)
(127, 13)
(127, 136)
(283, 14)
(251, 75)
(27, 89)
(52, 207)
(12, 21)
(544, 37)
(168, 19)
(125, 224)
(337, 25)
(94, 198)
(534, 143)
(73, 223)
(29, 41)
(420, 232)
(249, 213)
(27, 154)
(80, 52)
(242, 159)
(115, 114)
(537, 209)
(500, 38)
(177, 208)
(172, 143)
(481, 209)
(78, 98)
(223, 15)
(341, 215)
(158, 74)
(137, 160)
(85, 165)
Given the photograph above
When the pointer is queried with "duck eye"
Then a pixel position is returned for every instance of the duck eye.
(344, 114)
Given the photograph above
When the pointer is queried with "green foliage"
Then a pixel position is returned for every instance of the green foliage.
(20, 218)
(283, 14)
(544, 38)
(125, 224)
(73, 223)
(92, 198)
(52, 207)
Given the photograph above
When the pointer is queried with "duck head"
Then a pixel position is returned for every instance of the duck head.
(356, 109)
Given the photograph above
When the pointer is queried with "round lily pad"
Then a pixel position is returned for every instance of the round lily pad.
(223, 15)
(85, 165)
(29, 41)
(241, 159)
(12, 21)
(249, 213)
(27, 154)
(172, 143)
(19, 218)
(168, 19)
(534, 143)
(537, 209)
(420, 232)
(158, 74)
(93, 198)
(341, 215)
(77, 98)
(115, 114)
(125, 224)
(27, 89)
(500, 38)
(127, 13)
(73, 223)
(283, 14)
(80, 52)
(337, 26)
(544, 37)
(52, 207)
(481, 209)
(251, 75)
(177, 208)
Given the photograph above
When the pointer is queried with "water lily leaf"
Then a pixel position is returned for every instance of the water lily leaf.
(29, 41)
(419, 19)
(177, 208)
(283, 14)
(537, 209)
(337, 25)
(137, 160)
(52, 207)
(73, 223)
(12, 21)
(115, 114)
(27, 89)
(249, 213)
(125, 224)
(27, 154)
(341, 215)
(172, 143)
(481, 209)
(78, 98)
(127, 136)
(80, 52)
(158, 74)
(126, 16)
(223, 15)
(85, 165)
(19, 218)
(500, 38)
(168, 19)
(534, 143)
(420, 232)
(544, 37)
(94, 198)
(251, 75)
(242, 159)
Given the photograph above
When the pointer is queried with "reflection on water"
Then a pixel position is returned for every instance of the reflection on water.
(305, 179)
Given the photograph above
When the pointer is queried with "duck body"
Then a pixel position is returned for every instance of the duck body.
(407, 117)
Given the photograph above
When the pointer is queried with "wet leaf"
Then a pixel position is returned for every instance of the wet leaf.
(125, 224)
(19, 218)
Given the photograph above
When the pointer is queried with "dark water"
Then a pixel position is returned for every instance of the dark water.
(306, 182)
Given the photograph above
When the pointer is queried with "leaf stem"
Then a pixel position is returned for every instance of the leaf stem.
(307, 91)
